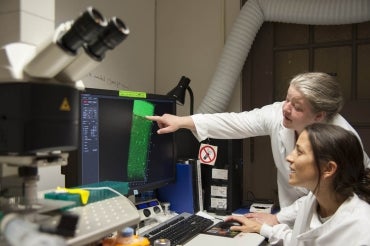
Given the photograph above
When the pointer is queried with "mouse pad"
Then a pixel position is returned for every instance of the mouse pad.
(216, 230)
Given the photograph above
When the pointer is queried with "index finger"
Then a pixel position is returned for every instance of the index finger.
(153, 118)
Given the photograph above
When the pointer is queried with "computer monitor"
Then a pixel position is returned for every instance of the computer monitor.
(117, 143)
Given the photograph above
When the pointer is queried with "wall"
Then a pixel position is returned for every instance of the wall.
(189, 39)
(168, 38)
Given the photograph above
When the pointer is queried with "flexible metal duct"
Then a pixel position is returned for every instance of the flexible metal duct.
(247, 24)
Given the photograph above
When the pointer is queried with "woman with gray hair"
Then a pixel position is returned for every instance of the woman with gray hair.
(311, 97)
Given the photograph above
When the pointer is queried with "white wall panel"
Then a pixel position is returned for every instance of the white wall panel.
(190, 37)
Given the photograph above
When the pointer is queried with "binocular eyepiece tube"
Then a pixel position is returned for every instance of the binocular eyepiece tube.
(90, 31)
(113, 34)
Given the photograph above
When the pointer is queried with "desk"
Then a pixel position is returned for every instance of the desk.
(242, 239)
(245, 239)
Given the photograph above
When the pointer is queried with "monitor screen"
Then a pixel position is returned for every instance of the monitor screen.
(117, 143)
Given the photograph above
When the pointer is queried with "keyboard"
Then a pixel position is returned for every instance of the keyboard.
(179, 229)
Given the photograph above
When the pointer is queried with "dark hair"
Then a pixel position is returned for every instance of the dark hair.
(334, 143)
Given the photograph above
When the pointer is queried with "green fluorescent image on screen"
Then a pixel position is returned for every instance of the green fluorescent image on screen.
(139, 140)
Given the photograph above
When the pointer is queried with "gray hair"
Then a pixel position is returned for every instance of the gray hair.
(321, 90)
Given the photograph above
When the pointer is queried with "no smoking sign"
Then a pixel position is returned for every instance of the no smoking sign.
(207, 154)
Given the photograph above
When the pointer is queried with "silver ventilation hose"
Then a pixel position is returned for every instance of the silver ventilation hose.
(247, 24)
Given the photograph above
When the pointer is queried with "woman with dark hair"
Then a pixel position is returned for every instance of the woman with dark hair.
(328, 161)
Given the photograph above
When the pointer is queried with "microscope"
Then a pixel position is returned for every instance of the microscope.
(39, 114)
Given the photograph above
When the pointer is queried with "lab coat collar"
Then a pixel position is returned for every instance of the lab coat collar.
(287, 138)
(334, 221)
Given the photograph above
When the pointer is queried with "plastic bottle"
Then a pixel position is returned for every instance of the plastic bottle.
(162, 242)
(127, 238)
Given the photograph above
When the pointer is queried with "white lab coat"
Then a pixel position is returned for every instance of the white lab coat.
(261, 122)
(349, 225)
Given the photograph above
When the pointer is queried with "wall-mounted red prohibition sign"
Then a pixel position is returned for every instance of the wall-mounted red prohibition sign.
(207, 154)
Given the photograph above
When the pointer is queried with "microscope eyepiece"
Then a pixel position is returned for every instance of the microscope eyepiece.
(112, 35)
(60, 57)
(115, 33)
(85, 29)
(63, 49)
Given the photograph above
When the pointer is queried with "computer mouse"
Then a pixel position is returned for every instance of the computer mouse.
(227, 224)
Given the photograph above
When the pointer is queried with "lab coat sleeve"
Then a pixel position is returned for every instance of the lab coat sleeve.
(287, 215)
(366, 160)
(257, 122)
(280, 234)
